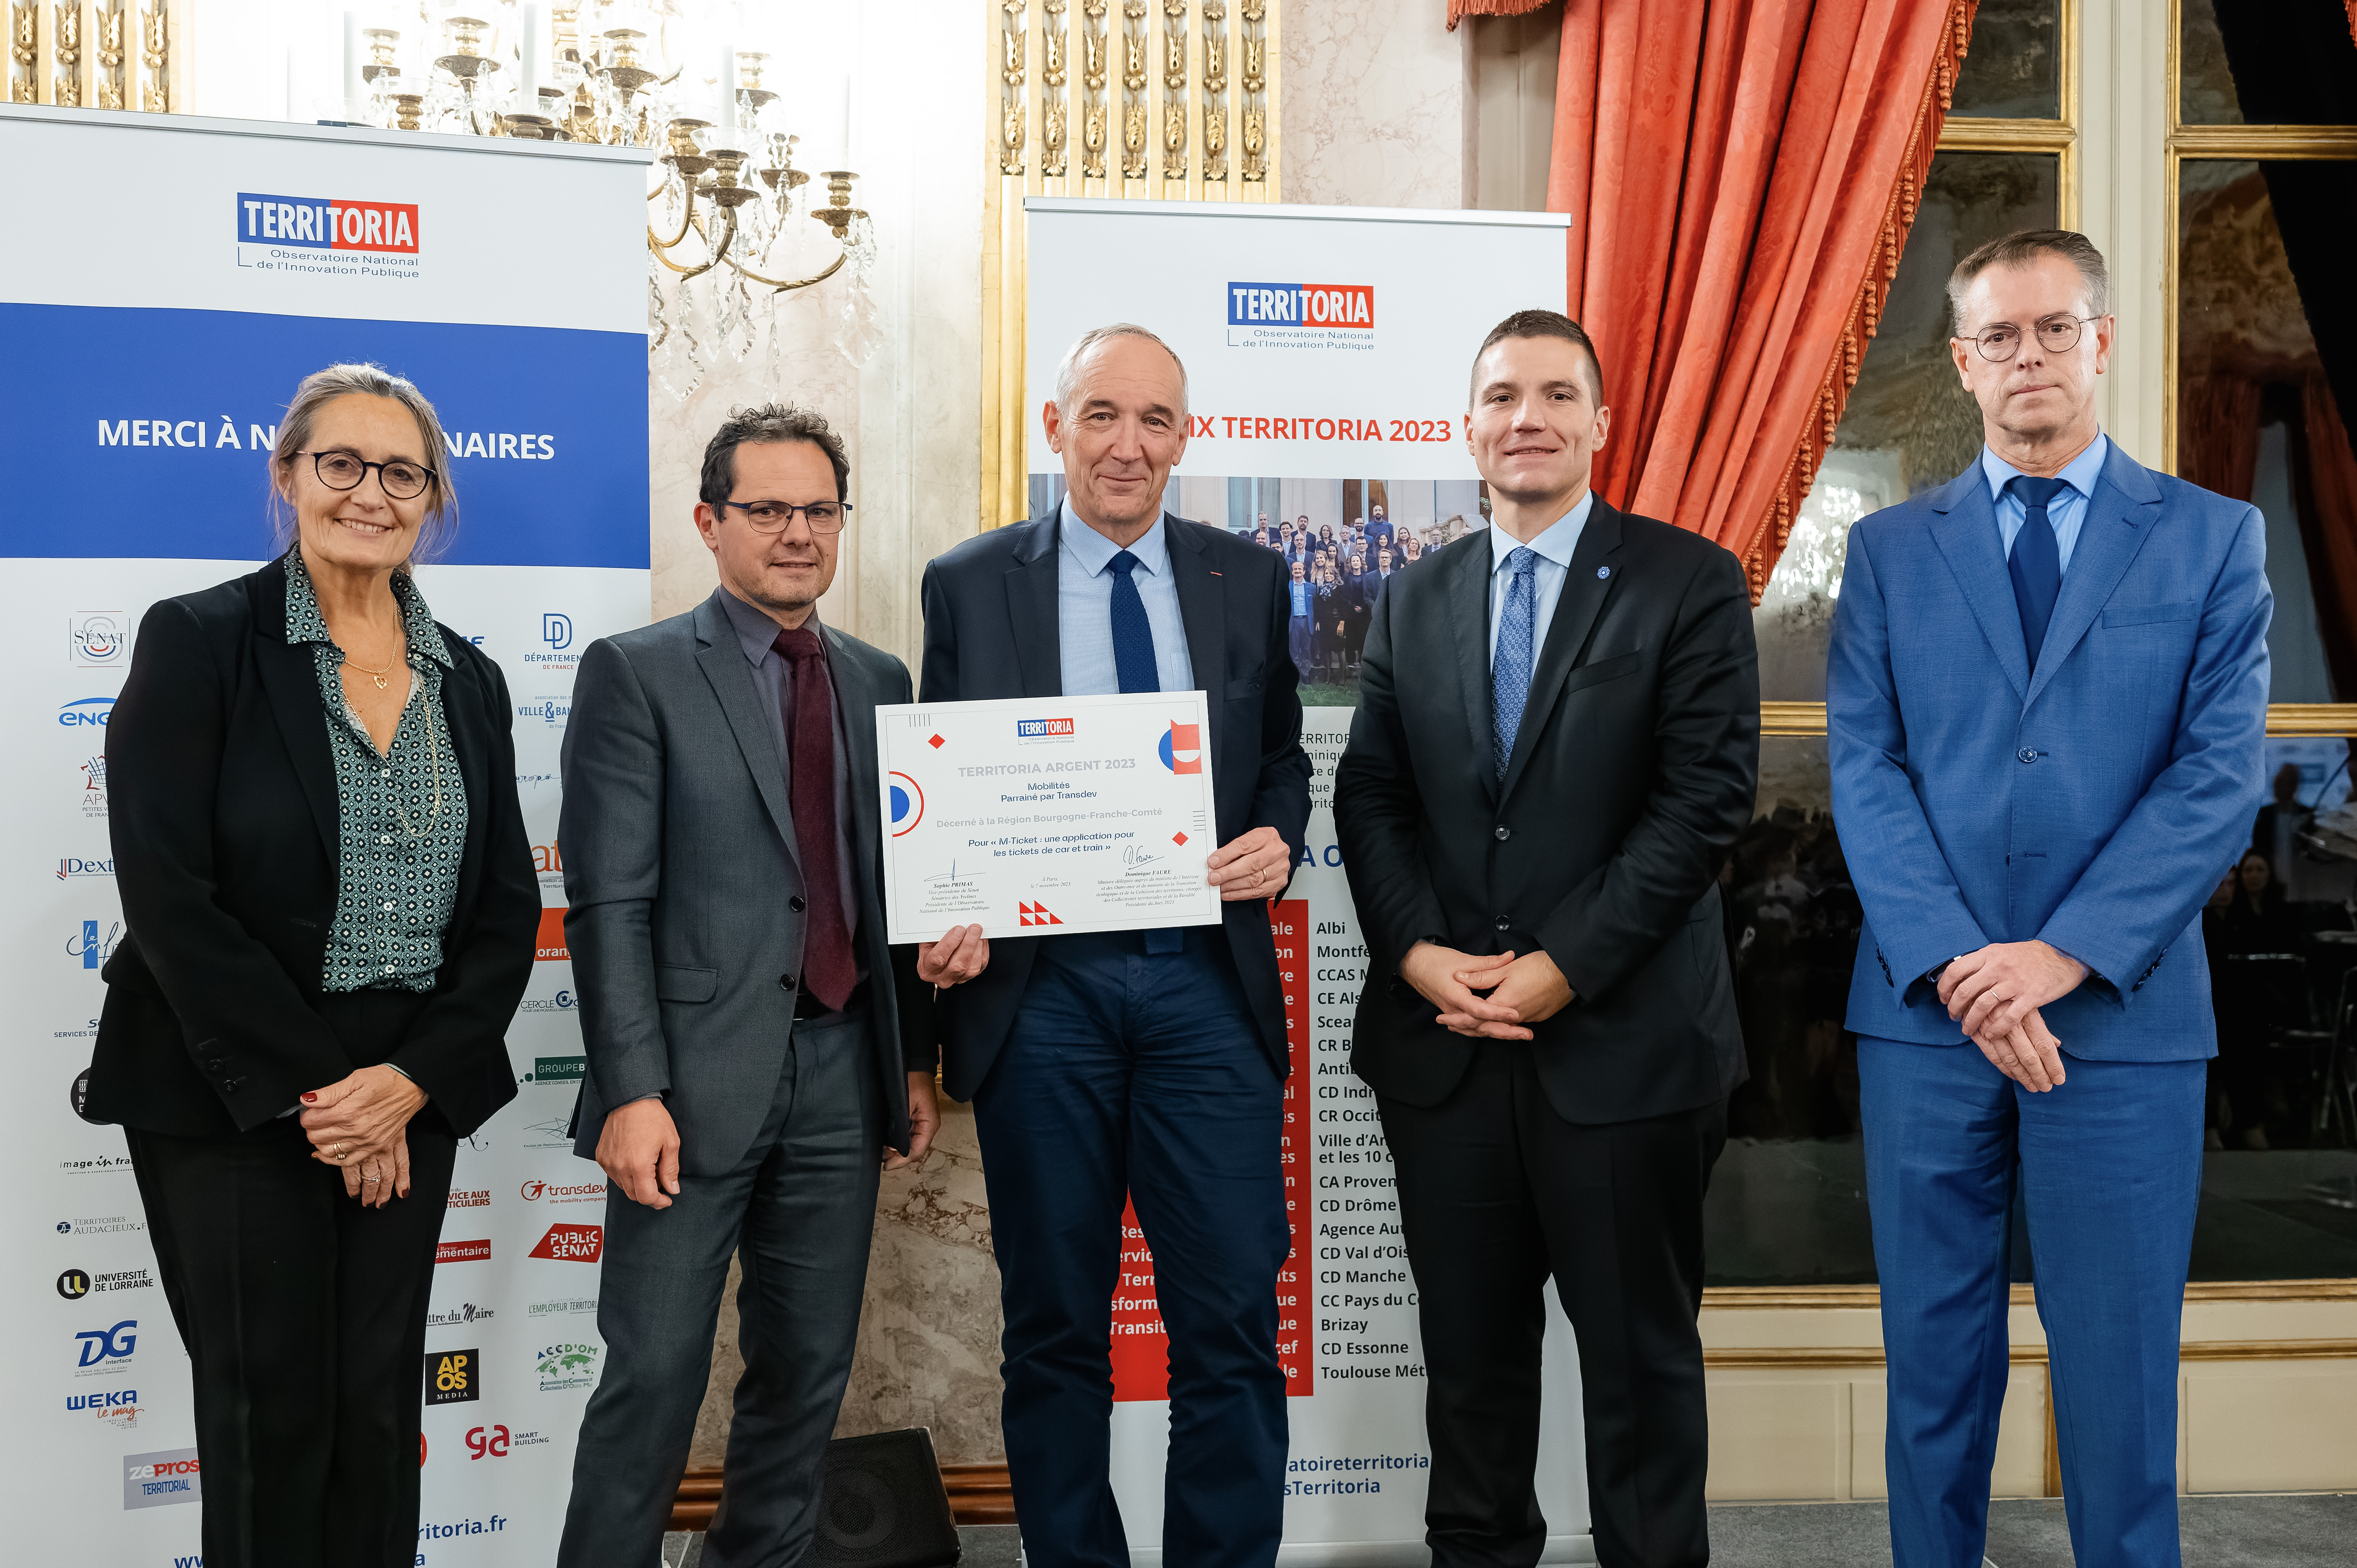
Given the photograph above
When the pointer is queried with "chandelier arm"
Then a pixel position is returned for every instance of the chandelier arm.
(781, 286)
(686, 220)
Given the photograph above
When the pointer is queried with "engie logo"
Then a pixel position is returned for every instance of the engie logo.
(86, 710)
(1026, 729)
(326, 223)
(1344, 304)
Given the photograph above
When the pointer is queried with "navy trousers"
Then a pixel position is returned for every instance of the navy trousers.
(2110, 1169)
(1142, 1076)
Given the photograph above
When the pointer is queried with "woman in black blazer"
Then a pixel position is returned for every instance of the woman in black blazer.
(330, 912)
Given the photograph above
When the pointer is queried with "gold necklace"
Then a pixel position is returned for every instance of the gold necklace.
(376, 675)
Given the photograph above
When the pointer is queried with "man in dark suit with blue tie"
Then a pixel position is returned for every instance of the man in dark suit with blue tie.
(2045, 700)
(1141, 1064)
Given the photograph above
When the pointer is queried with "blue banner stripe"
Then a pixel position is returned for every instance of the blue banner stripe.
(132, 432)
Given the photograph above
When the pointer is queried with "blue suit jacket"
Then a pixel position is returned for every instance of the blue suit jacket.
(2093, 805)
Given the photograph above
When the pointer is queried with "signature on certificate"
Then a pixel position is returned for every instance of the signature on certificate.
(1135, 855)
(949, 875)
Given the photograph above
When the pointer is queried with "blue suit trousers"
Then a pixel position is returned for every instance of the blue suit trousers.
(1140, 1076)
(2109, 1165)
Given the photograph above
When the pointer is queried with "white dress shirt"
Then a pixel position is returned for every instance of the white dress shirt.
(1555, 547)
(2066, 512)
(1084, 608)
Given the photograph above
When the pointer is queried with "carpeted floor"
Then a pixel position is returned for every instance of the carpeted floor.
(2298, 1529)
(2305, 1530)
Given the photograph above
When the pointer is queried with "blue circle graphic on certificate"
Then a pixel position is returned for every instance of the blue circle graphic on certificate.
(908, 804)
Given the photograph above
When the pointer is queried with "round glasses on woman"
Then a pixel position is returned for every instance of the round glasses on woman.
(403, 479)
(2056, 334)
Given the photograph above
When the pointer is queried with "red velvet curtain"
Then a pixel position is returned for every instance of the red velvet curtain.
(2218, 434)
(2324, 494)
(1740, 176)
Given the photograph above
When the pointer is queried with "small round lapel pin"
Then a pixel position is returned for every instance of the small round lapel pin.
(1602, 573)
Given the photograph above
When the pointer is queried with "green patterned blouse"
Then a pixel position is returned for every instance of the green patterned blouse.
(402, 817)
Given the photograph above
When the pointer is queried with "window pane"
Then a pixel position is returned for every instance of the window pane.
(2257, 418)
(2288, 62)
(1909, 426)
(2012, 70)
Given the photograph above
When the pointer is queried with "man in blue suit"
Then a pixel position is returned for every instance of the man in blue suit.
(2045, 701)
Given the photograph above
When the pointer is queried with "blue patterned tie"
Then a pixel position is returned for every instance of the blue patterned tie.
(1132, 657)
(2036, 563)
(1509, 667)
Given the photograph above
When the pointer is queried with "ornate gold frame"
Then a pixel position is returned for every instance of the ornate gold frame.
(1137, 99)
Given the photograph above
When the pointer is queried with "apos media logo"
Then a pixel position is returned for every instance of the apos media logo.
(93, 946)
(99, 637)
(71, 865)
(328, 223)
(86, 712)
(453, 1376)
(105, 1350)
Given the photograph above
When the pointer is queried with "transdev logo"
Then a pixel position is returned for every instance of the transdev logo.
(1344, 305)
(1032, 729)
(326, 223)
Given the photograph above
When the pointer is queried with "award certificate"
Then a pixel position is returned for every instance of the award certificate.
(1061, 814)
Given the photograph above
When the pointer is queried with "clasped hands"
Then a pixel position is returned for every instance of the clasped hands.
(1996, 993)
(360, 1126)
(1521, 991)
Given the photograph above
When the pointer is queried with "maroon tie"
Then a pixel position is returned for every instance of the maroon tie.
(828, 972)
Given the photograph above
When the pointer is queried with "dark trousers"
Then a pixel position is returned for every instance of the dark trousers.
(1141, 1076)
(1496, 1193)
(797, 1212)
(2110, 1167)
(304, 1316)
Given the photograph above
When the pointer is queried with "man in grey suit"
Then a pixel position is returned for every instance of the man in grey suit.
(754, 1045)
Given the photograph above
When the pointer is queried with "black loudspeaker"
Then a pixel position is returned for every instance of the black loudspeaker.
(882, 1505)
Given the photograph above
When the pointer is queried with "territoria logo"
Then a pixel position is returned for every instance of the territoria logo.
(1349, 306)
(1032, 729)
(571, 1243)
(326, 223)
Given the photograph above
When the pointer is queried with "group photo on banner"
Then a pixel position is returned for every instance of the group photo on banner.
(1459, 782)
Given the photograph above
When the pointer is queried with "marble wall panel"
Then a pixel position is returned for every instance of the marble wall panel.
(1374, 105)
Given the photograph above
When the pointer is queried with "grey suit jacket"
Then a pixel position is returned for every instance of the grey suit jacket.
(685, 888)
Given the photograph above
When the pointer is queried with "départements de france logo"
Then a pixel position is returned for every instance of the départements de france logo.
(336, 235)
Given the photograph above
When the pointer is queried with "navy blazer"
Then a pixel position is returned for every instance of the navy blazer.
(2093, 804)
(991, 631)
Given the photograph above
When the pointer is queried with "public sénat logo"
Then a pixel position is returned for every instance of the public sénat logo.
(1348, 305)
(328, 223)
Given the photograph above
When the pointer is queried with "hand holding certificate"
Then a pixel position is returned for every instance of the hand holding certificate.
(1059, 814)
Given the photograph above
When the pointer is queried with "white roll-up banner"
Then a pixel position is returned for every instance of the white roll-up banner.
(1327, 354)
(167, 283)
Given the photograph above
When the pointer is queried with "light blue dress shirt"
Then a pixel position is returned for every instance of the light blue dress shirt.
(2066, 512)
(1555, 547)
(1084, 608)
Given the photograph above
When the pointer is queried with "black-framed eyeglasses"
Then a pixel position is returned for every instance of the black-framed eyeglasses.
(2056, 334)
(775, 517)
(402, 480)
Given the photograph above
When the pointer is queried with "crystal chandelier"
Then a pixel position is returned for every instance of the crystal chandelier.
(724, 243)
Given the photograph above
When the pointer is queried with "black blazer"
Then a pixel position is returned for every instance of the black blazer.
(1633, 770)
(222, 793)
(991, 631)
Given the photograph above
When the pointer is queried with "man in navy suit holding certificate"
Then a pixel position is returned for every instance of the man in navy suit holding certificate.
(1147, 1063)
(2045, 701)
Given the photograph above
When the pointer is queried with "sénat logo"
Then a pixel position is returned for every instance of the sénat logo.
(325, 223)
(1344, 305)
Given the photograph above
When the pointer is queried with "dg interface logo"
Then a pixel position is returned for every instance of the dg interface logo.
(331, 236)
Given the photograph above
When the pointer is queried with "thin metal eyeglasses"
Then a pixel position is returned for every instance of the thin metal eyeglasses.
(402, 480)
(2056, 334)
(776, 517)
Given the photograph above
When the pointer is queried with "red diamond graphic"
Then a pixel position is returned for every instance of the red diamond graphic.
(936, 742)
(1178, 838)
